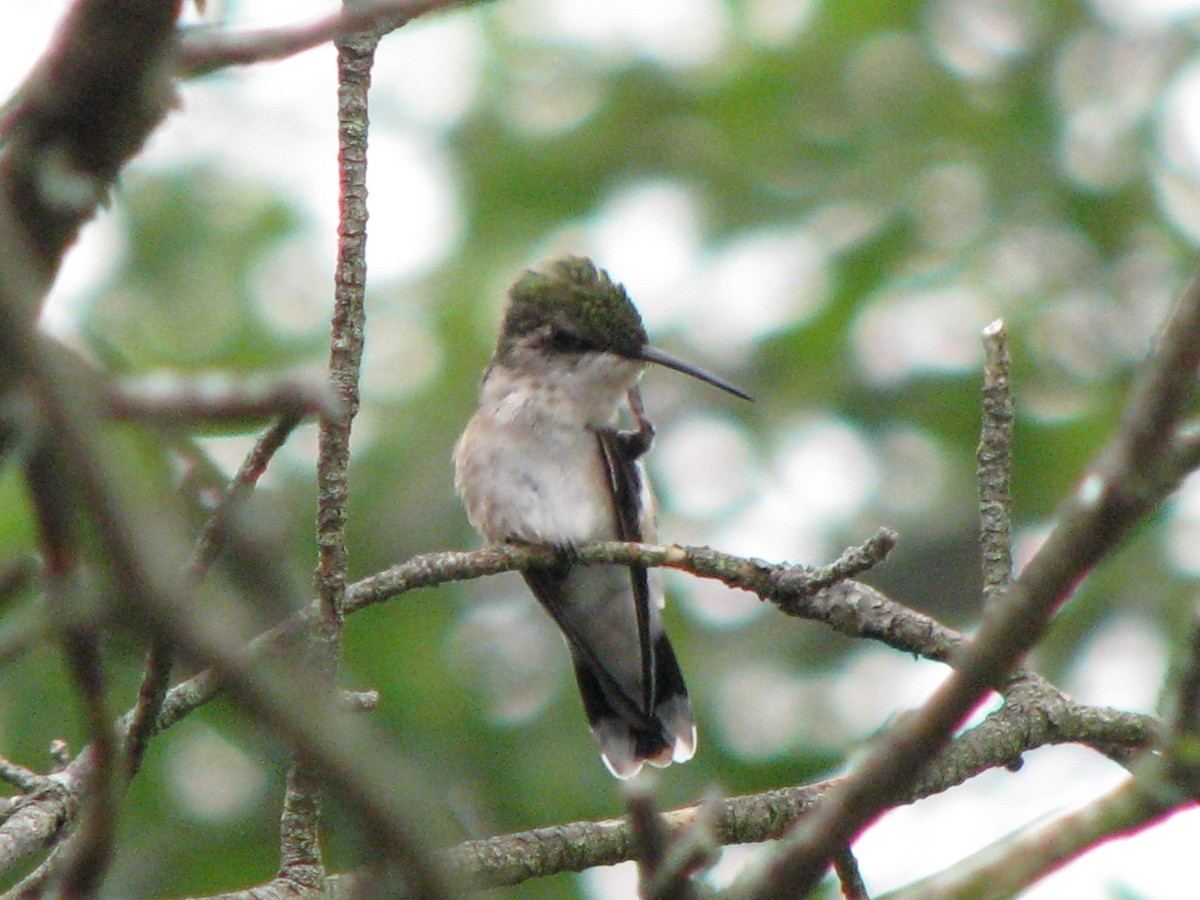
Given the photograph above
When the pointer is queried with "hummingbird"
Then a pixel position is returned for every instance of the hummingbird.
(543, 461)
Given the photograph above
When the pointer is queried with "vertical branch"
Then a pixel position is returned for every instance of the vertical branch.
(846, 867)
(299, 828)
(994, 458)
(355, 56)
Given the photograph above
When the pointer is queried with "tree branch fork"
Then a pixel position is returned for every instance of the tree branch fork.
(826, 594)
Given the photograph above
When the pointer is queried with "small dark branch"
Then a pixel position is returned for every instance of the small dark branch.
(692, 849)
(91, 851)
(994, 457)
(846, 867)
(650, 832)
(156, 678)
(193, 406)
(212, 539)
(142, 722)
(203, 50)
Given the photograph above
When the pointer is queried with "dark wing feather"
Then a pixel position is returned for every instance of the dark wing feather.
(629, 729)
(620, 462)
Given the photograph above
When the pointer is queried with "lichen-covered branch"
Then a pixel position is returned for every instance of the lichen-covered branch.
(994, 458)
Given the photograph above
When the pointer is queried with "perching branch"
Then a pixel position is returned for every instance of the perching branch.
(846, 606)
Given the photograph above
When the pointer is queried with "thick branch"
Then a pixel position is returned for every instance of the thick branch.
(1131, 476)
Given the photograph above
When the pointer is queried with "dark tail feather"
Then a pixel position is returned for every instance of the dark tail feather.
(628, 736)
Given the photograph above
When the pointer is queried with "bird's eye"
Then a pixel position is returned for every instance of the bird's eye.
(566, 341)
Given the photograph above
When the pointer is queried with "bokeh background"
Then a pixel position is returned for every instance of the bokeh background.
(824, 202)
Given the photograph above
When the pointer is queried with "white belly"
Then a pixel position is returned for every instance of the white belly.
(542, 485)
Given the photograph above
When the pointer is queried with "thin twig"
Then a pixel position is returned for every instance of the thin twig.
(142, 722)
(994, 457)
(156, 678)
(214, 534)
(194, 405)
(846, 867)
(650, 832)
(300, 824)
(25, 780)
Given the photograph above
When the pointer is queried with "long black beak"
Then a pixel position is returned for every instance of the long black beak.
(654, 355)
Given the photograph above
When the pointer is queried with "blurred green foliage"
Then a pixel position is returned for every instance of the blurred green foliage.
(952, 159)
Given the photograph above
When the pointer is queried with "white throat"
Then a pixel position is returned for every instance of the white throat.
(585, 394)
